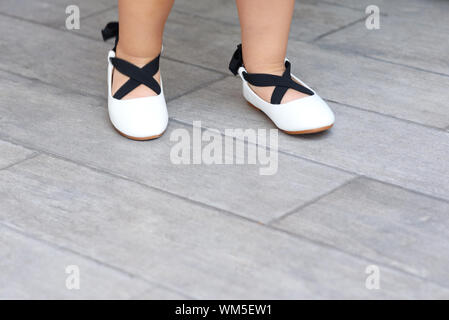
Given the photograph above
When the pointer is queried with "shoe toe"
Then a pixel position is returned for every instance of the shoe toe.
(305, 114)
(141, 118)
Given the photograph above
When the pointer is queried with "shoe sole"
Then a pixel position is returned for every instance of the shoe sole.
(135, 138)
(309, 131)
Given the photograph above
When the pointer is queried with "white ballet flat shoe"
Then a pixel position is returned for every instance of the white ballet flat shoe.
(302, 116)
(139, 118)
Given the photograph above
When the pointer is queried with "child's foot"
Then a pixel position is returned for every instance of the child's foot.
(119, 79)
(291, 105)
(131, 77)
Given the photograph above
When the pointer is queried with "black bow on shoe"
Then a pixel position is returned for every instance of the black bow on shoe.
(110, 31)
(236, 61)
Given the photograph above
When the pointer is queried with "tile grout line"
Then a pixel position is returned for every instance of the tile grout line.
(225, 74)
(321, 36)
(33, 155)
(431, 196)
(25, 20)
(388, 62)
(199, 87)
(311, 202)
(96, 261)
(96, 13)
(339, 5)
(386, 115)
(69, 90)
(236, 216)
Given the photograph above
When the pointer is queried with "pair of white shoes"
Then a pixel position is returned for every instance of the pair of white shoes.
(147, 118)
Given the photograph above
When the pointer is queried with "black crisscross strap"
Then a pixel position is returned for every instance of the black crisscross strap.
(137, 76)
(281, 83)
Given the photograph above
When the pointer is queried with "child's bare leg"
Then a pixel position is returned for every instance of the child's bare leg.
(141, 29)
(265, 28)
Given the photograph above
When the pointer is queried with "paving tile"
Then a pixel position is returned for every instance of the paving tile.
(381, 222)
(89, 138)
(33, 270)
(367, 143)
(66, 60)
(311, 18)
(404, 38)
(187, 247)
(52, 13)
(11, 153)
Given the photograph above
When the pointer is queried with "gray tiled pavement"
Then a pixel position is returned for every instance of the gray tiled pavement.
(372, 191)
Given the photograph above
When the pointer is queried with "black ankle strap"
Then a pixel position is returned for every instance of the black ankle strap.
(137, 76)
(281, 83)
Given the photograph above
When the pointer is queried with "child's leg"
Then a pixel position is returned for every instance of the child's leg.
(140, 40)
(265, 28)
